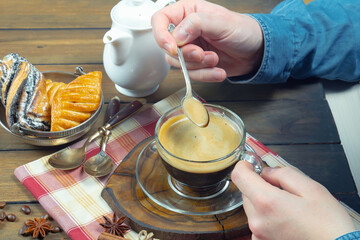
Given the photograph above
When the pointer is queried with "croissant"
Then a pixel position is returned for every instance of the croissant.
(52, 88)
(76, 102)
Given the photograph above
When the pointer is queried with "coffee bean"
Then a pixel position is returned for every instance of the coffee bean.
(46, 216)
(11, 217)
(26, 209)
(56, 229)
(23, 229)
(2, 204)
(2, 216)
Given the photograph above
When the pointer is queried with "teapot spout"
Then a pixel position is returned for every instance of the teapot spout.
(119, 44)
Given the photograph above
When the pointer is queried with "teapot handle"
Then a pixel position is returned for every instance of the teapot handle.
(162, 3)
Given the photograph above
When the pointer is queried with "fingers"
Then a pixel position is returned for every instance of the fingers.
(192, 20)
(195, 59)
(160, 21)
(208, 74)
(201, 65)
(291, 180)
(249, 182)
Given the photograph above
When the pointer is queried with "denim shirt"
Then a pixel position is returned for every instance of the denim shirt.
(350, 236)
(320, 39)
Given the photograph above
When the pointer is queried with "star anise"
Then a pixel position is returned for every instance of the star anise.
(115, 227)
(37, 226)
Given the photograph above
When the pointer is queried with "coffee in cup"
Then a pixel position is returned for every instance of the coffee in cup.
(200, 160)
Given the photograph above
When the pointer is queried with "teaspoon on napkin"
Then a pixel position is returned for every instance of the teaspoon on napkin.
(100, 164)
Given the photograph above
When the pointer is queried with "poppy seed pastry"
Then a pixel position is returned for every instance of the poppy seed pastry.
(23, 94)
(14, 92)
(9, 69)
(34, 107)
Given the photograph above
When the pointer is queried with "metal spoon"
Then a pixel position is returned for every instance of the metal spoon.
(100, 164)
(193, 108)
(68, 158)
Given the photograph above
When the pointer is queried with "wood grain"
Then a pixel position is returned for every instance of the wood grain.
(10, 230)
(41, 14)
(125, 197)
(293, 119)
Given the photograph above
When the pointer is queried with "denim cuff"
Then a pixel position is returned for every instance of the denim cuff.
(278, 51)
(350, 236)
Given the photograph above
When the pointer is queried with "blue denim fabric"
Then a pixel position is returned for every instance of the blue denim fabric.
(350, 236)
(321, 39)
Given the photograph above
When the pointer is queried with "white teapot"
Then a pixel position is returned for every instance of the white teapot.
(132, 58)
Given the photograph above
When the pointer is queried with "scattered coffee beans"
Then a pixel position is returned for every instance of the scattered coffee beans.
(46, 216)
(2, 216)
(11, 217)
(26, 209)
(56, 229)
(2, 204)
(23, 229)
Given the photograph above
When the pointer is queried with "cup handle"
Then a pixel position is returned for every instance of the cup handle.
(254, 159)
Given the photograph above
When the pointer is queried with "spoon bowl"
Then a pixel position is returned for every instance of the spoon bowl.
(70, 158)
(100, 164)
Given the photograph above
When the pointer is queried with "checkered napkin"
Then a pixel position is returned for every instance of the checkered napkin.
(73, 198)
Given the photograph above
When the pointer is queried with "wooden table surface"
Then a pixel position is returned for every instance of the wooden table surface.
(292, 119)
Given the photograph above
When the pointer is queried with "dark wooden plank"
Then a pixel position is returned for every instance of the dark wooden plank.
(22, 14)
(10, 230)
(70, 46)
(310, 89)
(287, 121)
(326, 164)
(352, 200)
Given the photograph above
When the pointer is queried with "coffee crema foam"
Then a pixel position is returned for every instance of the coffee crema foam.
(182, 138)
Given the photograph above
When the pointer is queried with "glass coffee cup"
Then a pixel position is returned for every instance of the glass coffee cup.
(200, 160)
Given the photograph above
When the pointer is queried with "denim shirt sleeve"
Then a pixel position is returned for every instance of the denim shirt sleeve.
(321, 39)
(350, 236)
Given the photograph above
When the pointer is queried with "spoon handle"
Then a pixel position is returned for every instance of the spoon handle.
(185, 72)
(171, 28)
(113, 108)
(124, 113)
(105, 139)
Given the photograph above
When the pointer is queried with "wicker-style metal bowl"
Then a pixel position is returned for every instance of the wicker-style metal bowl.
(46, 138)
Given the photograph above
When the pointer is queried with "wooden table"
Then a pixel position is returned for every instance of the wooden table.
(292, 119)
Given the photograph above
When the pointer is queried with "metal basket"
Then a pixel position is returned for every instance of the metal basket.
(46, 138)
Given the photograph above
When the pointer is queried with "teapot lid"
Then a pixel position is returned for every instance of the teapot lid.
(135, 14)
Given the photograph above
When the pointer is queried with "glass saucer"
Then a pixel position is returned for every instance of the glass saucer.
(157, 185)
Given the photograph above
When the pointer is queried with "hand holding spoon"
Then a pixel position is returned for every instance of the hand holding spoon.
(193, 108)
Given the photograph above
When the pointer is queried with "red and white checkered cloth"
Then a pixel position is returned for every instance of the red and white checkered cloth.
(73, 198)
